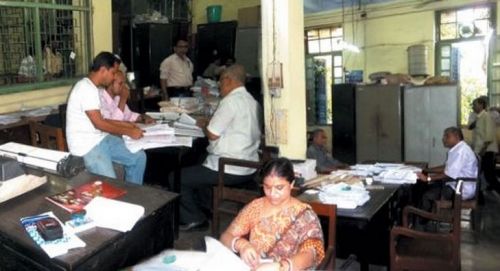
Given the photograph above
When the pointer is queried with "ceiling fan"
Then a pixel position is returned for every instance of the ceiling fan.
(426, 2)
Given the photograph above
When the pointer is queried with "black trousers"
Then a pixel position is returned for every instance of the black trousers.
(488, 168)
(196, 190)
(179, 92)
(435, 191)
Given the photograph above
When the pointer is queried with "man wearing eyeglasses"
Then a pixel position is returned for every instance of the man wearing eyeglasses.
(176, 72)
(233, 132)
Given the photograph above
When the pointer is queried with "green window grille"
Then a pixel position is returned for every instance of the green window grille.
(43, 43)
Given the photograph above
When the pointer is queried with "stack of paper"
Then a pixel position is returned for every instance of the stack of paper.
(163, 116)
(400, 175)
(343, 195)
(186, 126)
(155, 136)
(114, 214)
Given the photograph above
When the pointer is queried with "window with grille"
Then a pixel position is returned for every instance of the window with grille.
(43, 43)
(324, 68)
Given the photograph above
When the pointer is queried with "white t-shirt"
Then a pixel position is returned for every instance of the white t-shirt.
(236, 122)
(462, 163)
(81, 134)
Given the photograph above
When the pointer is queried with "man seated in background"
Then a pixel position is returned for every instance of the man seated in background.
(461, 162)
(94, 138)
(233, 132)
(114, 102)
(325, 163)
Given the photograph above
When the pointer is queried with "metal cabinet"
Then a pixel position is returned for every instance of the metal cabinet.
(344, 122)
(379, 133)
(428, 111)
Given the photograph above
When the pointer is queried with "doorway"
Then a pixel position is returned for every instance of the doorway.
(468, 66)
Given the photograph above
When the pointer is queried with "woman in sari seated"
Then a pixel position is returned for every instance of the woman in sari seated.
(283, 233)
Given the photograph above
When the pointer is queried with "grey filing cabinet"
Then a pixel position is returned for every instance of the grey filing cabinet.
(379, 134)
(428, 111)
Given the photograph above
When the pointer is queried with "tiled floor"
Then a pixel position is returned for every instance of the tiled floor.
(482, 254)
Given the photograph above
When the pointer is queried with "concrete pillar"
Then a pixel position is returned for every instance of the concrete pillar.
(283, 41)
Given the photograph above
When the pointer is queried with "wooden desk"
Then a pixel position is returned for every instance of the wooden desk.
(105, 249)
(368, 225)
(19, 131)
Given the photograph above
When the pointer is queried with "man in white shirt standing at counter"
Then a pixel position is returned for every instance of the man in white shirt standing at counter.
(233, 132)
(176, 72)
(94, 138)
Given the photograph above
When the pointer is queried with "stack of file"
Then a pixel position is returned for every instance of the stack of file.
(186, 126)
(400, 175)
(155, 136)
(343, 195)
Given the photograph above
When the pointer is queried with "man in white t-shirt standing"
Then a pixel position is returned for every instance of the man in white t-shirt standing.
(176, 72)
(233, 132)
(94, 138)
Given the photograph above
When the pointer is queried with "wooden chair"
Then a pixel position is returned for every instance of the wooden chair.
(48, 137)
(330, 211)
(469, 204)
(415, 250)
(226, 197)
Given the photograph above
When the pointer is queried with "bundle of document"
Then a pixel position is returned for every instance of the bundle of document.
(397, 176)
(155, 136)
(343, 195)
(186, 126)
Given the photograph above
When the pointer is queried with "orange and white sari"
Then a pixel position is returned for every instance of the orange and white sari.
(281, 235)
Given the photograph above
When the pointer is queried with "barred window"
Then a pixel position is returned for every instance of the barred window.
(43, 43)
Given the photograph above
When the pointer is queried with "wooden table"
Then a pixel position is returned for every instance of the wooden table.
(364, 231)
(105, 249)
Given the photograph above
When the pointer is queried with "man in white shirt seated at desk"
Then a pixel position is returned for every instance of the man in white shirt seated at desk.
(233, 132)
(114, 102)
(94, 138)
(461, 162)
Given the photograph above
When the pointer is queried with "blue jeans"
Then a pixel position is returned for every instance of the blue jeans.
(99, 160)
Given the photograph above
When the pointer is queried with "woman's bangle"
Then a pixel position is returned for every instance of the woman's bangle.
(289, 264)
(233, 244)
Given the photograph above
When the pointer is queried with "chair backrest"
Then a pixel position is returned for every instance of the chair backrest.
(234, 194)
(330, 211)
(48, 137)
(457, 213)
(62, 116)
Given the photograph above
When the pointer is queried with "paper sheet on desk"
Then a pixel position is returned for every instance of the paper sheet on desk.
(114, 214)
(217, 257)
(19, 185)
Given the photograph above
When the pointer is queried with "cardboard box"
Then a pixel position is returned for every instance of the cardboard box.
(249, 17)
